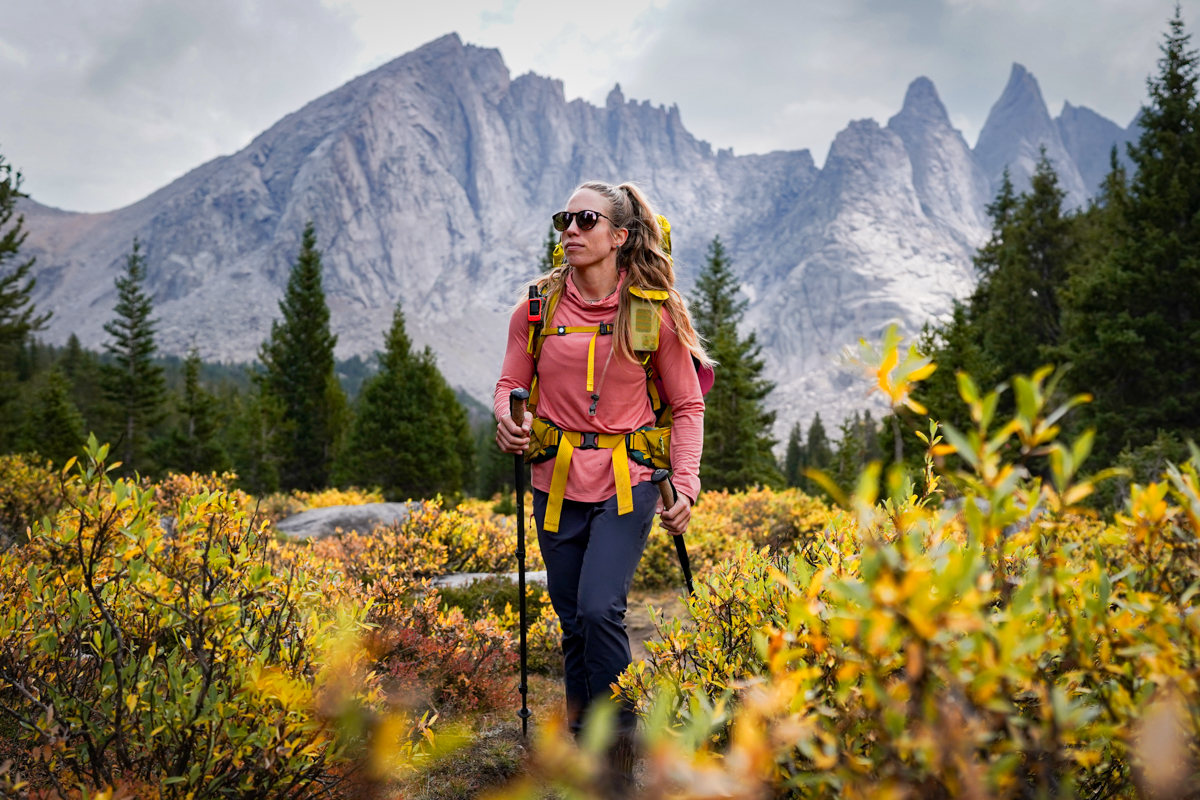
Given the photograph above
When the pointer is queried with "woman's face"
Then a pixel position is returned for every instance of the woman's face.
(586, 248)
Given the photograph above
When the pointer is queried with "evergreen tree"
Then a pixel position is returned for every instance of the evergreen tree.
(192, 445)
(857, 447)
(18, 315)
(546, 262)
(299, 376)
(410, 436)
(255, 438)
(818, 451)
(1131, 317)
(53, 427)
(737, 429)
(1012, 322)
(82, 370)
(794, 457)
(133, 383)
(1022, 270)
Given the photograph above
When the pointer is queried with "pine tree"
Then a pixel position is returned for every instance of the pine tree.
(737, 429)
(255, 438)
(82, 370)
(546, 262)
(18, 315)
(854, 450)
(1022, 270)
(794, 457)
(53, 426)
(192, 445)
(299, 376)
(1131, 318)
(410, 436)
(133, 383)
(817, 455)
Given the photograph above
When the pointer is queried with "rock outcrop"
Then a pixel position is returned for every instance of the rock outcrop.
(317, 523)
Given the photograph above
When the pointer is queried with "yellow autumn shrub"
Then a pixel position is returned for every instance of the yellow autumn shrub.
(158, 638)
(29, 490)
(1009, 647)
(128, 656)
(722, 522)
(1008, 644)
(279, 505)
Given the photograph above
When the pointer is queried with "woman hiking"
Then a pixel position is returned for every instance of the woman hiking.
(592, 390)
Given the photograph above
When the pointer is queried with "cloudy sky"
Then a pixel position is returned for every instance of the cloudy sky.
(102, 103)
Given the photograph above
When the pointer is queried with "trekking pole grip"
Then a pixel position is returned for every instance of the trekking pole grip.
(518, 399)
(662, 479)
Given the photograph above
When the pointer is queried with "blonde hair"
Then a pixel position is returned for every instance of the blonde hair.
(642, 260)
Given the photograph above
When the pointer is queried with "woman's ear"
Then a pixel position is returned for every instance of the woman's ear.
(620, 237)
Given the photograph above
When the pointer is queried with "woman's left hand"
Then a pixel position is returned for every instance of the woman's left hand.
(675, 519)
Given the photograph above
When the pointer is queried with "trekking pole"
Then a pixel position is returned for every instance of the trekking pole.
(662, 479)
(517, 399)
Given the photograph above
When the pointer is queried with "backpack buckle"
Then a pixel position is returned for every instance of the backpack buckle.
(606, 328)
(587, 441)
(562, 330)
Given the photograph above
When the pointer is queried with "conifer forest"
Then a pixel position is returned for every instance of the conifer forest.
(986, 588)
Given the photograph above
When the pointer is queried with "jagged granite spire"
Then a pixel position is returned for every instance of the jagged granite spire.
(951, 184)
(431, 180)
(1018, 125)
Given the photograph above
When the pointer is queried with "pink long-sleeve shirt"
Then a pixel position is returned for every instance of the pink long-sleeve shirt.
(624, 405)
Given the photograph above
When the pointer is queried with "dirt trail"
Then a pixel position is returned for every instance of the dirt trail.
(638, 622)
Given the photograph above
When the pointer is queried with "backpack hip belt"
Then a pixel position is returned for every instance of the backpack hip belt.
(650, 447)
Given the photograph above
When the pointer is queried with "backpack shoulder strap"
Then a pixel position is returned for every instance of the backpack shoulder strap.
(536, 340)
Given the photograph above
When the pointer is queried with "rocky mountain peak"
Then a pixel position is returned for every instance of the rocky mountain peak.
(431, 180)
(953, 188)
(615, 99)
(1017, 127)
(921, 101)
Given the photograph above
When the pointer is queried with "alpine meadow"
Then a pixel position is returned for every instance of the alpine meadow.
(258, 538)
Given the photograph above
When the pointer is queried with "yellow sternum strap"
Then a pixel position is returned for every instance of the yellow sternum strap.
(567, 444)
(592, 361)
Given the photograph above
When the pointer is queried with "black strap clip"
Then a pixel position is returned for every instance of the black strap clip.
(606, 328)
(587, 441)
(562, 330)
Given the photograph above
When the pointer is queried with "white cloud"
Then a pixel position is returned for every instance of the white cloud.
(106, 102)
(113, 100)
(792, 73)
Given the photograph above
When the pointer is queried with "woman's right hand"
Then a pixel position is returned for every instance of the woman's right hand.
(511, 437)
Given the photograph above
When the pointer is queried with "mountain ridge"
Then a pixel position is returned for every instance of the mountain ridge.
(431, 180)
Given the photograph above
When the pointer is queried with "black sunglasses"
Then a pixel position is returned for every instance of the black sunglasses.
(586, 220)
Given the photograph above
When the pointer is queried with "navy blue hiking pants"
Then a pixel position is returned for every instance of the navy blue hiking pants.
(590, 563)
